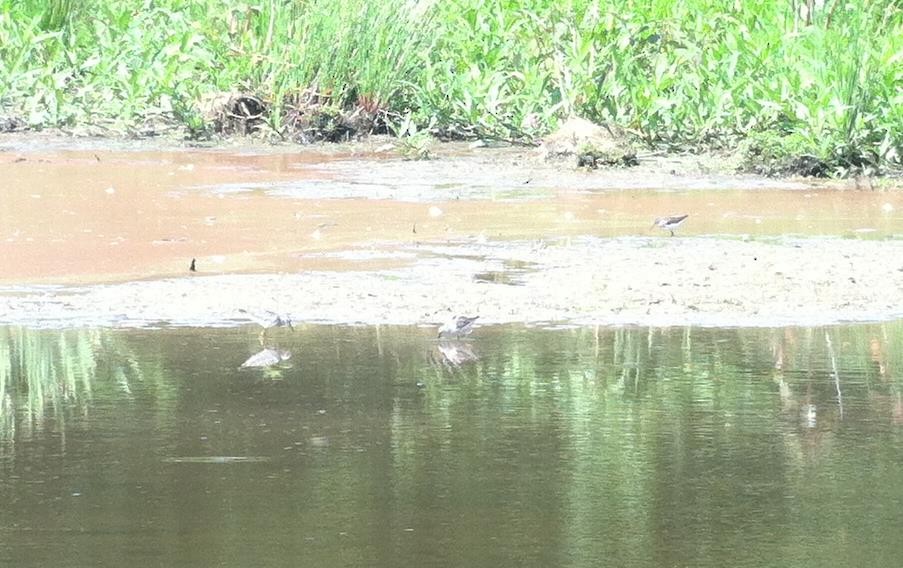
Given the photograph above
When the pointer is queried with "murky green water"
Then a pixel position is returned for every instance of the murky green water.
(581, 447)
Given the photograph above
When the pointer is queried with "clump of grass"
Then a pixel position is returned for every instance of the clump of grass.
(56, 15)
(110, 65)
(417, 146)
(414, 143)
(340, 54)
(771, 154)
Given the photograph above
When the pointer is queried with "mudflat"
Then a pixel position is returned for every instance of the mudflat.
(103, 234)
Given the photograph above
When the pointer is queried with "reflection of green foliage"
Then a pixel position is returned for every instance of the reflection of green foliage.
(516, 375)
(637, 445)
(43, 374)
(45, 371)
(7, 421)
(702, 366)
(641, 417)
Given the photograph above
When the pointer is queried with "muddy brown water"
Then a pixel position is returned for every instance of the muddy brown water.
(98, 215)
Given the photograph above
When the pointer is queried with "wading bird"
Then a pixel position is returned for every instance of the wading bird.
(457, 326)
(267, 319)
(670, 223)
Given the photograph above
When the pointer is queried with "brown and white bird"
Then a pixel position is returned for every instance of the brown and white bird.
(670, 223)
(267, 319)
(457, 326)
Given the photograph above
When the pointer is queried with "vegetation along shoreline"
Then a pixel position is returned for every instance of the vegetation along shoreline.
(788, 90)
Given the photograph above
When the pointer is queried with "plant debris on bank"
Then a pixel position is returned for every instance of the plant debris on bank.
(797, 87)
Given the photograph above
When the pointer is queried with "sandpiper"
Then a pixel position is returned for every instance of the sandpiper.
(670, 223)
(457, 326)
(267, 319)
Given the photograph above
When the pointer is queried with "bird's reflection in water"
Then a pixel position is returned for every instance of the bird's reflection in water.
(453, 354)
(271, 361)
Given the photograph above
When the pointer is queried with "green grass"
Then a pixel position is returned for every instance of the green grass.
(697, 74)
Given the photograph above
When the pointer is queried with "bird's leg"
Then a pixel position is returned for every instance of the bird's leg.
(672, 232)
(262, 337)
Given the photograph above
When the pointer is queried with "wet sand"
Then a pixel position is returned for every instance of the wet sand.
(646, 281)
(100, 236)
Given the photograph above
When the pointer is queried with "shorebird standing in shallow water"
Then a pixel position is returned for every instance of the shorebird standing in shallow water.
(267, 319)
(457, 326)
(670, 223)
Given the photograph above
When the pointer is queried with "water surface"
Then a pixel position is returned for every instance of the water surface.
(100, 214)
(382, 447)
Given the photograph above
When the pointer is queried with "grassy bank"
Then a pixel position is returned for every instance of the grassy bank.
(763, 75)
